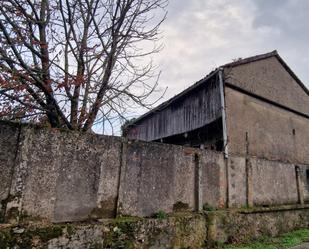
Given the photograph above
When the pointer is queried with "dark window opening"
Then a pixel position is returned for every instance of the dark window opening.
(208, 137)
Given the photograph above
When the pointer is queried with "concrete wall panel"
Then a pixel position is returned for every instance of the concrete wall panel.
(67, 176)
(37, 170)
(87, 186)
(213, 177)
(274, 183)
(9, 133)
(237, 188)
(156, 177)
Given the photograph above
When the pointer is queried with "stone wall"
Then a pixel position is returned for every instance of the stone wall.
(184, 230)
(68, 176)
(241, 226)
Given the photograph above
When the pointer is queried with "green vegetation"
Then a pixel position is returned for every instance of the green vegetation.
(120, 236)
(159, 215)
(5, 239)
(287, 240)
(207, 207)
(10, 239)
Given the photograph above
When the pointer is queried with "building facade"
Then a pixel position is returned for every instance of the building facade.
(255, 106)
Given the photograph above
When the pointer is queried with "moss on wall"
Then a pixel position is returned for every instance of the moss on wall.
(180, 230)
(27, 237)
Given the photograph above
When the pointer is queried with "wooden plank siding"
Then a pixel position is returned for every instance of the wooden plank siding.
(193, 110)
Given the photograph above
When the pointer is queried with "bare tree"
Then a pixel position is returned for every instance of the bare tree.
(73, 63)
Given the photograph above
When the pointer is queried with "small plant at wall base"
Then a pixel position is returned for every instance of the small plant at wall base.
(207, 207)
(73, 64)
(160, 215)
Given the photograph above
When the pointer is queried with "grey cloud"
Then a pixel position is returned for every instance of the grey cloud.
(270, 4)
(289, 16)
(287, 21)
(203, 34)
(178, 7)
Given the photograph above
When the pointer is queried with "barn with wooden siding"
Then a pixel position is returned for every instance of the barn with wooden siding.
(257, 101)
(193, 117)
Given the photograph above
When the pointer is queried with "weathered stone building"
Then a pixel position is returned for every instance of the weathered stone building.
(255, 106)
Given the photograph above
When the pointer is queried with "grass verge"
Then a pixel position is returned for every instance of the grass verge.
(286, 240)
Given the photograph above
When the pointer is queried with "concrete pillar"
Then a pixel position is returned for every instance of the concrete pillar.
(300, 187)
(198, 183)
(249, 182)
(122, 172)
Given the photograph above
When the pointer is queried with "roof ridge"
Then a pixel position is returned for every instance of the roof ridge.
(265, 56)
(251, 59)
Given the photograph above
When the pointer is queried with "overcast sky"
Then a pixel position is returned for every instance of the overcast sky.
(200, 35)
